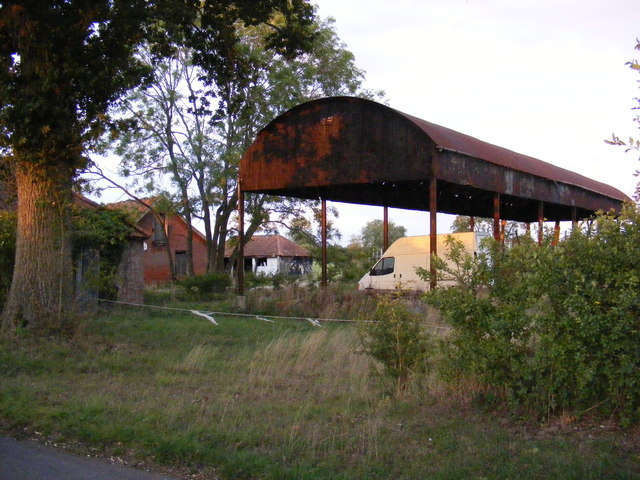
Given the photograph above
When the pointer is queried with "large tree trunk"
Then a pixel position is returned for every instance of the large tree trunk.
(41, 296)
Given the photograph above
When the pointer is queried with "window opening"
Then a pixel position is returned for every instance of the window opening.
(384, 267)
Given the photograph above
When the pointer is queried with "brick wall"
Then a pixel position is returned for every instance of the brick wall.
(155, 258)
(130, 276)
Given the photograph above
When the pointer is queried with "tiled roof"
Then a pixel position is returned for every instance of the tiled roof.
(270, 246)
(135, 208)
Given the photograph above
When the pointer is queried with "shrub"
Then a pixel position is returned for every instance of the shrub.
(207, 284)
(556, 328)
(395, 338)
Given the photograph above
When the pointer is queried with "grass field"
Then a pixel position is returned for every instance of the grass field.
(256, 400)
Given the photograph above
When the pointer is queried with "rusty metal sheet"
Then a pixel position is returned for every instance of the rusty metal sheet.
(358, 151)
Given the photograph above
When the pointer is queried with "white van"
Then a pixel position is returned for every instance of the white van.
(396, 270)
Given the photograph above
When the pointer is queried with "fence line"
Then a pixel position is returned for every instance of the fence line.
(316, 322)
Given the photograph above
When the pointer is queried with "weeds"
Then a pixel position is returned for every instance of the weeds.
(250, 399)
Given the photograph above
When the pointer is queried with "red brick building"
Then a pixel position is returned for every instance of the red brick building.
(167, 235)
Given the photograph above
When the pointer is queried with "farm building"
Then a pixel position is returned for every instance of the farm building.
(353, 150)
(274, 254)
(129, 275)
(165, 249)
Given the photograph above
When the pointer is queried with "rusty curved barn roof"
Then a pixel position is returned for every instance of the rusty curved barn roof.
(358, 151)
(448, 139)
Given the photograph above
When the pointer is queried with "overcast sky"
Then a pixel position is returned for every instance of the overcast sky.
(546, 78)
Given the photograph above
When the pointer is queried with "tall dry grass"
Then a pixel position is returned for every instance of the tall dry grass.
(334, 302)
(323, 364)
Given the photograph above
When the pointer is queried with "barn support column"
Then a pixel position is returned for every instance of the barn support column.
(472, 224)
(556, 233)
(385, 229)
(540, 222)
(496, 216)
(574, 218)
(324, 243)
(433, 228)
(240, 261)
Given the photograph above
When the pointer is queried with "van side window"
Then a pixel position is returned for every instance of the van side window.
(384, 266)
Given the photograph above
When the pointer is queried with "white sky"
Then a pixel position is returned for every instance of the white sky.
(546, 78)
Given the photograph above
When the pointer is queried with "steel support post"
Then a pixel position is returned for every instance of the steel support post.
(433, 228)
(385, 229)
(540, 222)
(556, 233)
(324, 243)
(240, 262)
(496, 216)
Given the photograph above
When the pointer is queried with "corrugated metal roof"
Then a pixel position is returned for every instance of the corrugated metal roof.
(461, 143)
(355, 150)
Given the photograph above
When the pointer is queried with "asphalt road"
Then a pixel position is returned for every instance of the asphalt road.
(32, 461)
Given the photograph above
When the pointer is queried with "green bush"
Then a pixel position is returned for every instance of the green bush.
(207, 284)
(395, 338)
(554, 328)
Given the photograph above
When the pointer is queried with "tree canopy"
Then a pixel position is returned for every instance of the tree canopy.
(63, 64)
(192, 130)
(633, 143)
(371, 236)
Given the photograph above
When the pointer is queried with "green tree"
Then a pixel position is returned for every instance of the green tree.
(62, 65)
(632, 143)
(371, 236)
(261, 86)
(193, 125)
(512, 230)
(462, 223)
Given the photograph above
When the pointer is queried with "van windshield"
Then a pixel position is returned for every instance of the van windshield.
(384, 266)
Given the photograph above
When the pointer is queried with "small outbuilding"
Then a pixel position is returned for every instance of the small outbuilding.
(273, 255)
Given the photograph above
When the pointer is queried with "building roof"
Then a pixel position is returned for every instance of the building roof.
(354, 150)
(137, 209)
(270, 246)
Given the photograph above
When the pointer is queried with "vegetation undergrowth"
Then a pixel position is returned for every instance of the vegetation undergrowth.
(251, 399)
(552, 329)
